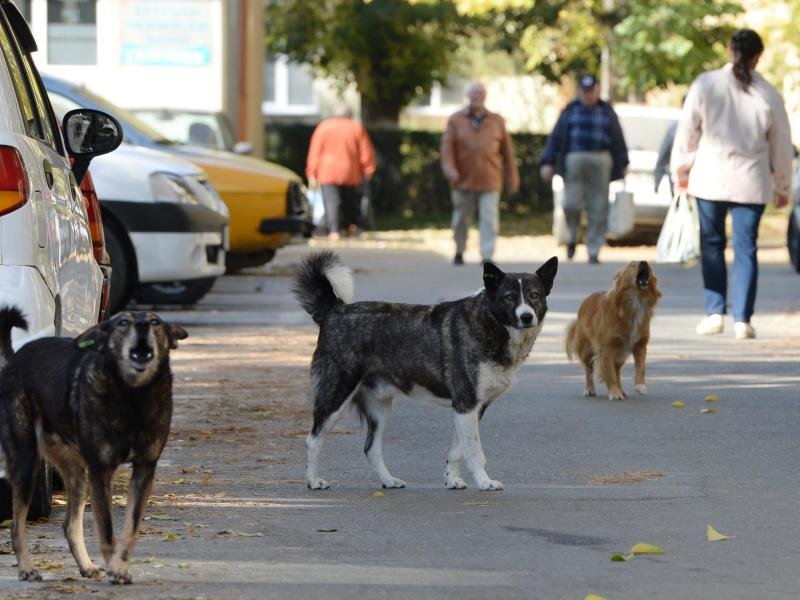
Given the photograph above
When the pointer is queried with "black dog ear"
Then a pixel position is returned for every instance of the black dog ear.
(492, 277)
(94, 338)
(175, 332)
(547, 274)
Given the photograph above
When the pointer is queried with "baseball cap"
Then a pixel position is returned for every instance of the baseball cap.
(587, 81)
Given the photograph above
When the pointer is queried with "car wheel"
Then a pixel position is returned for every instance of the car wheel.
(121, 270)
(175, 292)
(240, 260)
(793, 240)
(42, 502)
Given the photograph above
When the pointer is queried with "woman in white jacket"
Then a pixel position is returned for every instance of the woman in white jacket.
(733, 152)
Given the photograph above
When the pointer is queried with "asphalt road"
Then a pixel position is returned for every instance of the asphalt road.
(585, 478)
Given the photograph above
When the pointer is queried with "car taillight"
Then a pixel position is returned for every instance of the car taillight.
(13, 180)
(93, 214)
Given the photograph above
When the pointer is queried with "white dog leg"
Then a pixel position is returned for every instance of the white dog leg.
(452, 472)
(470, 438)
(378, 412)
(313, 448)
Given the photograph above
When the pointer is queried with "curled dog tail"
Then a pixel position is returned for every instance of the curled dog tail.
(10, 317)
(323, 282)
(571, 339)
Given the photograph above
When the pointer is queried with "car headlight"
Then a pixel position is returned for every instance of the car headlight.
(168, 187)
(207, 193)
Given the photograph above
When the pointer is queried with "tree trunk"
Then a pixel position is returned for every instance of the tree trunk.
(380, 114)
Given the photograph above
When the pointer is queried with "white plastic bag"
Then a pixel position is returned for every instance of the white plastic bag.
(317, 206)
(620, 214)
(679, 240)
(560, 229)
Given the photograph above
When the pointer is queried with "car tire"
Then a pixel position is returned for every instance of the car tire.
(175, 292)
(793, 240)
(243, 260)
(121, 270)
(42, 501)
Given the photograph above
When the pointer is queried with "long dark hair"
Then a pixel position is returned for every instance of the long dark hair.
(745, 45)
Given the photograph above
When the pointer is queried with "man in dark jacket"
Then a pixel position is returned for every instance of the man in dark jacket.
(587, 148)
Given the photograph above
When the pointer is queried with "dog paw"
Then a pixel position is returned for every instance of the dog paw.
(120, 578)
(393, 483)
(32, 575)
(92, 571)
(641, 388)
(618, 395)
(455, 484)
(318, 484)
(589, 392)
(491, 486)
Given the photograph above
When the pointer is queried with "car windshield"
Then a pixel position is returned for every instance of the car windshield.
(128, 119)
(200, 129)
(644, 133)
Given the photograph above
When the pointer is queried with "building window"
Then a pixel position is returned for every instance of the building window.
(441, 99)
(24, 7)
(288, 88)
(72, 32)
(300, 84)
(269, 81)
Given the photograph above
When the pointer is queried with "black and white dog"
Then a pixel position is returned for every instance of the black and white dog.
(463, 354)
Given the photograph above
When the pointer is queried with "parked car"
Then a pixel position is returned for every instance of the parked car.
(644, 128)
(267, 202)
(47, 263)
(94, 214)
(793, 232)
(194, 127)
(166, 226)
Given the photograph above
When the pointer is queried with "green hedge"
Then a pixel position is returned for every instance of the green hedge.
(408, 182)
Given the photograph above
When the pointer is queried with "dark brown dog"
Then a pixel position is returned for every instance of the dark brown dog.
(88, 405)
(613, 325)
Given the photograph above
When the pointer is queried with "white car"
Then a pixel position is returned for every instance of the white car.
(47, 266)
(644, 128)
(47, 263)
(165, 225)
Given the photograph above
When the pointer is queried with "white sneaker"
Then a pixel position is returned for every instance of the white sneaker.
(743, 331)
(710, 325)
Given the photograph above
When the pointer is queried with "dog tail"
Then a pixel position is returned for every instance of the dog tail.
(10, 317)
(322, 282)
(571, 339)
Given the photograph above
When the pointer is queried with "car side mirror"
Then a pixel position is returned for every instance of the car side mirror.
(243, 148)
(89, 133)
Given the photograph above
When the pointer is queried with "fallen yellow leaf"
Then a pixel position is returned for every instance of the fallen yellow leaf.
(708, 411)
(170, 537)
(679, 404)
(377, 495)
(712, 535)
(594, 597)
(642, 548)
(712, 398)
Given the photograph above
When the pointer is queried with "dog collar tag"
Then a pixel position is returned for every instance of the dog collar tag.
(84, 344)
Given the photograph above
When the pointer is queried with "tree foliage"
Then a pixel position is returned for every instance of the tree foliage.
(392, 50)
(652, 43)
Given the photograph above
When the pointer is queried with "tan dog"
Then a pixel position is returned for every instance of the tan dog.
(613, 325)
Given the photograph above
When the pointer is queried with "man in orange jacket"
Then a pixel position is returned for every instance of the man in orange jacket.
(340, 158)
(477, 157)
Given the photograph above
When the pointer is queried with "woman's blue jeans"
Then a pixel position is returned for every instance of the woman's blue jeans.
(746, 218)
